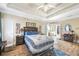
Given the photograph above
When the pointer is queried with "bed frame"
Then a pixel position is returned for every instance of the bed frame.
(34, 29)
(30, 29)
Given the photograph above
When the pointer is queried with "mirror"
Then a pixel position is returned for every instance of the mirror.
(68, 27)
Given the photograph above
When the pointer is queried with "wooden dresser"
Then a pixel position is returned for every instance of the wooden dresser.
(69, 37)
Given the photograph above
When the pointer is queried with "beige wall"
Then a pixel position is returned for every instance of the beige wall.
(73, 22)
(9, 27)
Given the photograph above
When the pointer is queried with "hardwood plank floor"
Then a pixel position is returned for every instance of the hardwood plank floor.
(20, 50)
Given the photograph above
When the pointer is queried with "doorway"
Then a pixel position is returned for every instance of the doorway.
(54, 29)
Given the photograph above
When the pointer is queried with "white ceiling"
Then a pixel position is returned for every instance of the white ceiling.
(43, 11)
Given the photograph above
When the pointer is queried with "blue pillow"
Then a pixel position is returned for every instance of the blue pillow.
(31, 33)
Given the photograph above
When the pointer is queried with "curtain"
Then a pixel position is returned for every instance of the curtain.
(0, 29)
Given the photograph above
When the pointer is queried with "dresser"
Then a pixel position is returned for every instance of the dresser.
(69, 37)
(19, 40)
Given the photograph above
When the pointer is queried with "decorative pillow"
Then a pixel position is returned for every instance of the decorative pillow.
(31, 33)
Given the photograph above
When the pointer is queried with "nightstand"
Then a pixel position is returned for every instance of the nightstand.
(19, 40)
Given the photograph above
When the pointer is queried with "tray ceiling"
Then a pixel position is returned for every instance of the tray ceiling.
(46, 11)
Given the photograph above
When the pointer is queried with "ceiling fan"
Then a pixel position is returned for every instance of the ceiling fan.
(47, 6)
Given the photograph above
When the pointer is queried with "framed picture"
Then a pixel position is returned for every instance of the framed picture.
(29, 24)
(17, 28)
(58, 29)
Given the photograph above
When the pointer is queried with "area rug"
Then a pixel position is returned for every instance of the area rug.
(56, 52)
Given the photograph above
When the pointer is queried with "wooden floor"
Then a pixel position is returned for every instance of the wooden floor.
(67, 47)
(19, 50)
(22, 50)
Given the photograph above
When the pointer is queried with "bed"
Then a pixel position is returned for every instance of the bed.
(36, 42)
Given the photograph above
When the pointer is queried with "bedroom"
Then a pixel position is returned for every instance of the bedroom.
(19, 20)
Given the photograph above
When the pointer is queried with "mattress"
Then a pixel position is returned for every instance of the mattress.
(38, 43)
